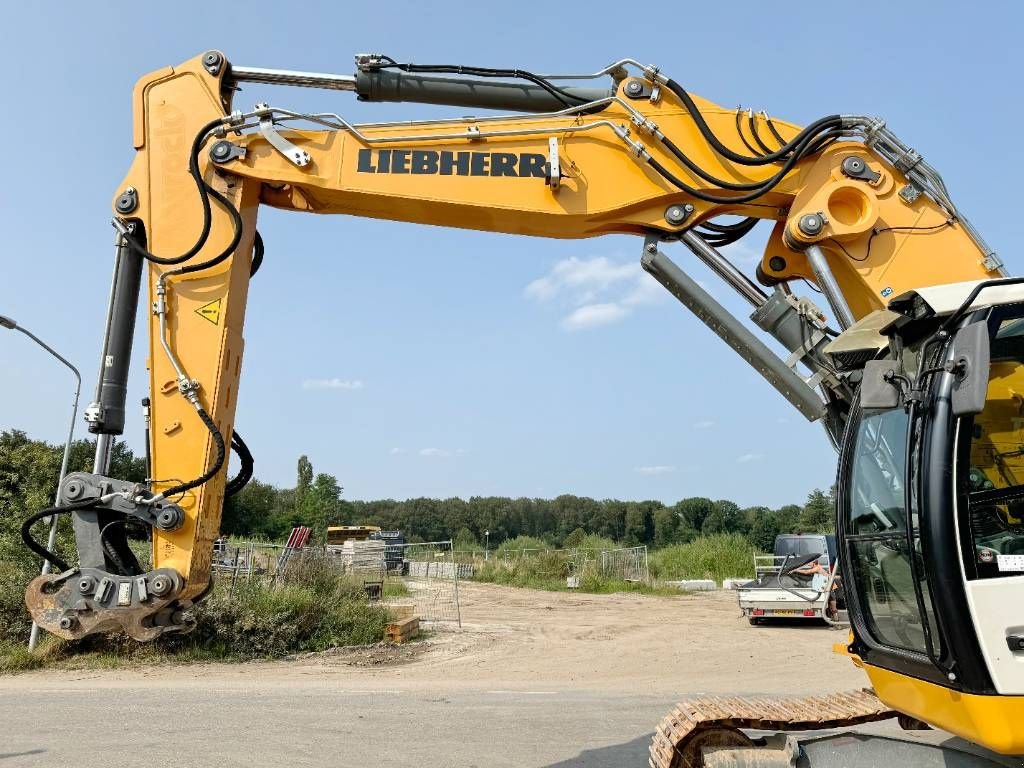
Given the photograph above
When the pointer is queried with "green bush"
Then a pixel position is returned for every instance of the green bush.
(593, 542)
(258, 621)
(719, 556)
(522, 542)
(313, 609)
(14, 618)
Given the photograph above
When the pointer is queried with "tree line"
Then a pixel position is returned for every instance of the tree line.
(264, 511)
(29, 468)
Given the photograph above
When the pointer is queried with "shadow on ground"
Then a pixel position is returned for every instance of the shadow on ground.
(632, 754)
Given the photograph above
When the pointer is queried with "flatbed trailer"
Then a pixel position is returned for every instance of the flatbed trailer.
(772, 594)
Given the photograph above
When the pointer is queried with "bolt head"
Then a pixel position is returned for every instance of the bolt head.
(160, 586)
(811, 224)
(633, 88)
(85, 585)
(68, 622)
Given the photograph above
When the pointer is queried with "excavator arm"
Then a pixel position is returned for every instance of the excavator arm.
(857, 213)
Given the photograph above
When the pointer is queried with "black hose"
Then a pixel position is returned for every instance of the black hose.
(818, 126)
(761, 189)
(753, 132)
(218, 440)
(26, 531)
(257, 254)
(239, 481)
(739, 132)
(775, 132)
(236, 222)
(809, 145)
(720, 235)
(204, 195)
(124, 568)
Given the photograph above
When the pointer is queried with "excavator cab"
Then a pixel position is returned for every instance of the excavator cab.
(931, 512)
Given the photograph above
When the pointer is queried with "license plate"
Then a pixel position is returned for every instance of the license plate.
(784, 612)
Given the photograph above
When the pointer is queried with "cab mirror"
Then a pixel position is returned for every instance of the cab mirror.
(971, 356)
(877, 391)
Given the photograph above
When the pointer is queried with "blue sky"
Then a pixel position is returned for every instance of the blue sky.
(414, 360)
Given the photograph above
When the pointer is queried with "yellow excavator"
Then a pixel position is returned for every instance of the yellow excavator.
(914, 364)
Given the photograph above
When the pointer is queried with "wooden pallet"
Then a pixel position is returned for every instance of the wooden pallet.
(401, 611)
(402, 631)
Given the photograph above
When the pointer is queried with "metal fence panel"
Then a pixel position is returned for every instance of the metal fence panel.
(426, 576)
(628, 564)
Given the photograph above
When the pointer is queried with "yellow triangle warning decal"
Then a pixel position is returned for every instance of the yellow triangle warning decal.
(210, 312)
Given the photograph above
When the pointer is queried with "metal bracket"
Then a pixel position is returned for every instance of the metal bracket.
(909, 193)
(554, 174)
(856, 168)
(224, 151)
(992, 262)
(907, 160)
(294, 154)
(131, 499)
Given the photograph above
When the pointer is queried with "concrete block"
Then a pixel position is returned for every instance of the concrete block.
(694, 585)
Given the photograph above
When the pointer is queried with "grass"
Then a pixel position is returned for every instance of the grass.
(717, 557)
(720, 556)
(395, 588)
(549, 570)
(311, 610)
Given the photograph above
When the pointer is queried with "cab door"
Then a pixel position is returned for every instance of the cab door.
(990, 506)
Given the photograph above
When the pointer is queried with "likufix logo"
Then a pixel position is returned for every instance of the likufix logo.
(443, 163)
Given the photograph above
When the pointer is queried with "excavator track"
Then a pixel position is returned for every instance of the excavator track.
(695, 725)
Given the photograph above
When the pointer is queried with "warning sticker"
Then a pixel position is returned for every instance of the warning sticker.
(210, 312)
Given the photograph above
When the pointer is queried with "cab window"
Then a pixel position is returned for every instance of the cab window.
(993, 467)
(876, 529)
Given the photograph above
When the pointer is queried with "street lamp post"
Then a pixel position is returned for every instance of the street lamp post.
(6, 322)
(487, 545)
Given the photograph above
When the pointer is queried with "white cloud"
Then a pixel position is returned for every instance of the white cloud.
(656, 469)
(593, 316)
(437, 453)
(349, 384)
(580, 276)
(603, 290)
(746, 458)
(705, 424)
(397, 451)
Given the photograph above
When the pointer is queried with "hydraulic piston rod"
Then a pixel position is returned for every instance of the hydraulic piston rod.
(732, 331)
(722, 267)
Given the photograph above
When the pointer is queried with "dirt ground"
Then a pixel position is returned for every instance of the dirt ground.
(526, 640)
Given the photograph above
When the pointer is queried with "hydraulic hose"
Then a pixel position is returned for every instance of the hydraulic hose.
(39, 549)
(258, 251)
(239, 481)
(818, 126)
(752, 195)
(205, 190)
(218, 463)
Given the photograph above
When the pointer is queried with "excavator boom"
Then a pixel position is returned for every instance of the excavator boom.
(627, 149)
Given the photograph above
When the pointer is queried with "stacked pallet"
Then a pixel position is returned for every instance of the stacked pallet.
(360, 556)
